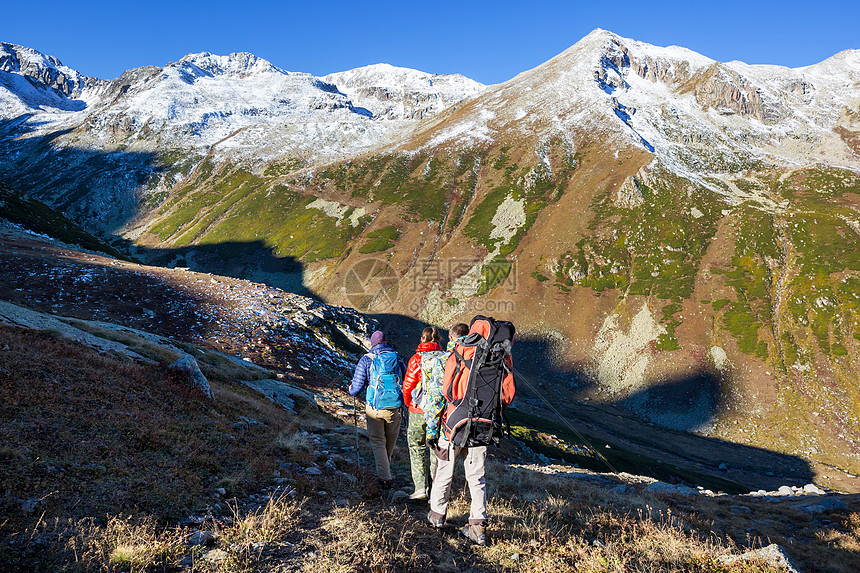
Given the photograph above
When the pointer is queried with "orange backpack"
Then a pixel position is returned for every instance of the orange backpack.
(479, 383)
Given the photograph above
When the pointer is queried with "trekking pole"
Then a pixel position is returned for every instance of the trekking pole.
(355, 418)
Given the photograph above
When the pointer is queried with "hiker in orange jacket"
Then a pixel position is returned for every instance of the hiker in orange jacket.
(423, 465)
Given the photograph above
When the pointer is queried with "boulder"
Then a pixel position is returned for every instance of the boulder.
(832, 504)
(188, 363)
(200, 538)
(773, 555)
(215, 555)
(785, 490)
(621, 489)
(813, 489)
(810, 509)
(822, 505)
(281, 392)
(661, 487)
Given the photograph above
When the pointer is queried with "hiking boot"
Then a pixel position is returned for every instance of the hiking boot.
(386, 484)
(437, 523)
(418, 496)
(475, 534)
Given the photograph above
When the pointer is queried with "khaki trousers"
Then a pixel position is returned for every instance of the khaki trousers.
(473, 463)
(382, 429)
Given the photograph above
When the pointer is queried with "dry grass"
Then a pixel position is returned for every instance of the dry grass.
(267, 524)
(96, 435)
(246, 537)
(123, 544)
(558, 527)
(133, 545)
(366, 538)
(295, 442)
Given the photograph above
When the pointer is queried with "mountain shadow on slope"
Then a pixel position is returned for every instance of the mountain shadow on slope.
(249, 260)
(94, 180)
(99, 190)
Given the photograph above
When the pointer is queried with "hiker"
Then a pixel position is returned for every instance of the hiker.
(382, 370)
(428, 362)
(478, 384)
(433, 402)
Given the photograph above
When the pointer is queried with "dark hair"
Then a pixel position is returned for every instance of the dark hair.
(458, 330)
(431, 334)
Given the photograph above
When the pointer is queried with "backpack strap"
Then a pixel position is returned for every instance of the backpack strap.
(483, 348)
(460, 361)
(507, 423)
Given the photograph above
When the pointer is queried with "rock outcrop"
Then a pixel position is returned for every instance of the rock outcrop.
(629, 194)
(45, 70)
(188, 363)
(773, 555)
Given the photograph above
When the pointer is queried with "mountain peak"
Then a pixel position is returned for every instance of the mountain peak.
(844, 61)
(392, 92)
(386, 75)
(44, 69)
(13, 57)
(235, 64)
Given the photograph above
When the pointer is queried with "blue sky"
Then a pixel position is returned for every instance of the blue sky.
(488, 41)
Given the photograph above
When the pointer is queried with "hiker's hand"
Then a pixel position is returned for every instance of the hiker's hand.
(433, 443)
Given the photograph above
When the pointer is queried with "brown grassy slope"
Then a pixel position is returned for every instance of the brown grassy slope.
(43, 276)
(95, 435)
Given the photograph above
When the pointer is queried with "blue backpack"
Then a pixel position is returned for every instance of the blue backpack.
(384, 390)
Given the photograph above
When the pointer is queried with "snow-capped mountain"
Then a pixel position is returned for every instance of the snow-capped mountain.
(31, 82)
(696, 115)
(244, 104)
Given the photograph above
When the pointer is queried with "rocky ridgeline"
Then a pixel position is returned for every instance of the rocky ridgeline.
(46, 70)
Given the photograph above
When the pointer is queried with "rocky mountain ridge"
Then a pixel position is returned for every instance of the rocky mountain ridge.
(241, 102)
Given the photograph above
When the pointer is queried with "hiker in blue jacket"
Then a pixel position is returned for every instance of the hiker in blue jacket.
(382, 371)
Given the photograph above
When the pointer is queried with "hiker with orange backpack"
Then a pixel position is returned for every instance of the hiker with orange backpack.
(382, 371)
(478, 385)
